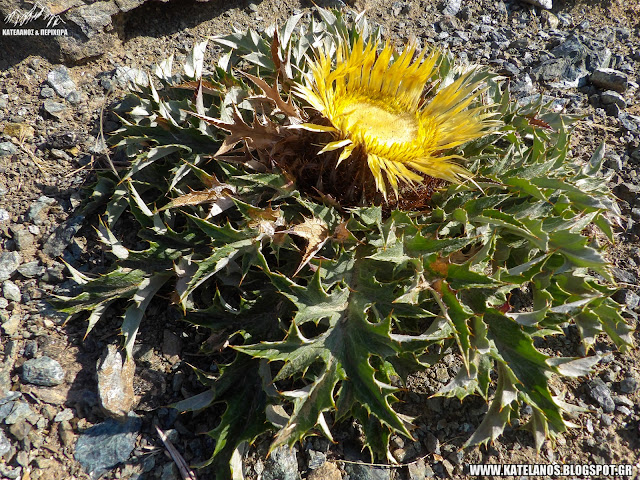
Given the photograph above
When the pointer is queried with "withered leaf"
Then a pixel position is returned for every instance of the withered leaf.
(208, 87)
(258, 135)
(315, 232)
(272, 94)
(218, 193)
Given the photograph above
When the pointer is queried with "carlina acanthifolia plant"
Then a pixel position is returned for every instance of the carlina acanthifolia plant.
(341, 214)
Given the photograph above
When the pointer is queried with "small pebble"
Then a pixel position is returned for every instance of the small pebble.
(64, 415)
(43, 371)
(11, 291)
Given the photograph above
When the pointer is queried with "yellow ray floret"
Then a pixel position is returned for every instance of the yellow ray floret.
(376, 106)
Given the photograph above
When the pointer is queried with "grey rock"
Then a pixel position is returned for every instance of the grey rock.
(630, 385)
(43, 371)
(9, 262)
(22, 458)
(61, 238)
(621, 274)
(64, 416)
(169, 472)
(39, 209)
(630, 123)
(47, 92)
(612, 97)
(63, 139)
(548, 4)
(9, 397)
(11, 325)
(612, 110)
(21, 411)
(31, 269)
(571, 63)
(60, 154)
(74, 97)
(432, 443)
(601, 393)
(282, 465)
(5, 410)
(316, 459)
(23, 238)
(61, 81)
(442, 375)
(4, 215)
(55, 109)
(7, 148)
(107, 444)
(106, 83)
(606, 420)
(610, 79)
(30, 349)
(417, 470)
(20, 430)
(510, 70)
(623, 400)
(94, 17)
(54, 274)
(398, 8)
(171, 346)
(359, 471)
(126, 5)
(627, 297)
(126, 76)
(613, 162)
(115, 383)
(452, 7)
(11, 291)
(623, 410)
(5, 444)
(10, 473)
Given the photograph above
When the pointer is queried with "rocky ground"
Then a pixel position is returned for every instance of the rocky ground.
(582, 55)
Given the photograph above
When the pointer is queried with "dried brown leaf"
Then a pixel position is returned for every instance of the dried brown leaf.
(218, 193)
(273, 95)
(259, 135)
(207, 87)
(315, 232)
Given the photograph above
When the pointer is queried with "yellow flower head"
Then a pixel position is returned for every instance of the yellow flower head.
(377, 107)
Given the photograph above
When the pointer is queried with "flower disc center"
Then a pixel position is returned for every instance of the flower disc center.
(378, 124)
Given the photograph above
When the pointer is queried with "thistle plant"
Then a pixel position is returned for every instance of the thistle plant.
(342, 214)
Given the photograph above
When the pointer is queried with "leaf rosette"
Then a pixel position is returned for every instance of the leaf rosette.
(335, 254)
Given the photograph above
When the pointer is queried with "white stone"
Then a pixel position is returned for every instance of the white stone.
(547, 4)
